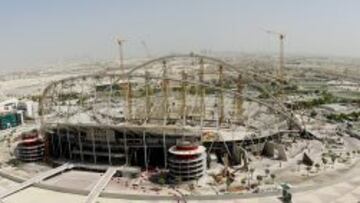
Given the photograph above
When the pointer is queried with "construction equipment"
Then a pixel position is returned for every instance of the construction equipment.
(120, 43)
(280, 70)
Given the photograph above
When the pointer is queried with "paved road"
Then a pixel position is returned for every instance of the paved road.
(101, 184)
(35, 179)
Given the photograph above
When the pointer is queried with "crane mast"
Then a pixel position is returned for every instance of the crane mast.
(120, 43)
(280, 70)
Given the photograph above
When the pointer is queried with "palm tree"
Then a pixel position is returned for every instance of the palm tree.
(252, 170)
(324, 161)
(333, 159)
(267, 172)
(273, 176)
(259, 179)
(317, 165)
(348, 154)
(243, 181)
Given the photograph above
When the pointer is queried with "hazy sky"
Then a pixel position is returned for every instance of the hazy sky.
(35, 32)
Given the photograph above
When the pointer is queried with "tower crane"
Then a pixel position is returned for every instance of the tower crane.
(120, 43)
(280, 70)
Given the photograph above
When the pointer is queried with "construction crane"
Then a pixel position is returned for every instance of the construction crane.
(146, 49)
(280, 70)
(120, 43)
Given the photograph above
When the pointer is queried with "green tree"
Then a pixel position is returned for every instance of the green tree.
(267, 172)
(259, 178)
(162, 180)
(317, 166)
(252, 170)
(313, 114)
(243, 181)
(324, 160)
(333, 158)
(348, 154)
(273, 176)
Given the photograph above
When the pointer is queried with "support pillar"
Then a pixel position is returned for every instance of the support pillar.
(69, 144)
(239, 99)
(165, 90)
(166, 108)
(59, 142)
(145, 150)
(109, 148)
(81, 147)
(93, 144)
(53, 143)
(184, 94)
(165, 149)
(221, 78)
(129, 100)
(202, 93)
(126, 148)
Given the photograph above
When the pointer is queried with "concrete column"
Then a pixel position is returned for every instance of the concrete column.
(129, 100)
(81, 147)
(202, 93)
(68, 141)
(109, 148)
(165, 150)
(145, 150)
(239, 99)
(53, 143)
(165, 89)
(126, 148)
(59, 142)
(109, 100)
(93, 144)
(184, 94)
(221, 105)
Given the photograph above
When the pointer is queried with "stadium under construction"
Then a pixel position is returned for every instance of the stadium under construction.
(133, 119)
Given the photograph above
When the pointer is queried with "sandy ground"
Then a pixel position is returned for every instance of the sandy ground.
(346, 190)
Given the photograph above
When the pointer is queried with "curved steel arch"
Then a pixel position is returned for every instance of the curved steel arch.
(225, 65)
(212, 59)
(119, 76)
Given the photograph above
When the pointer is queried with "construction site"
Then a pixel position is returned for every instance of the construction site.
(183, 127)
